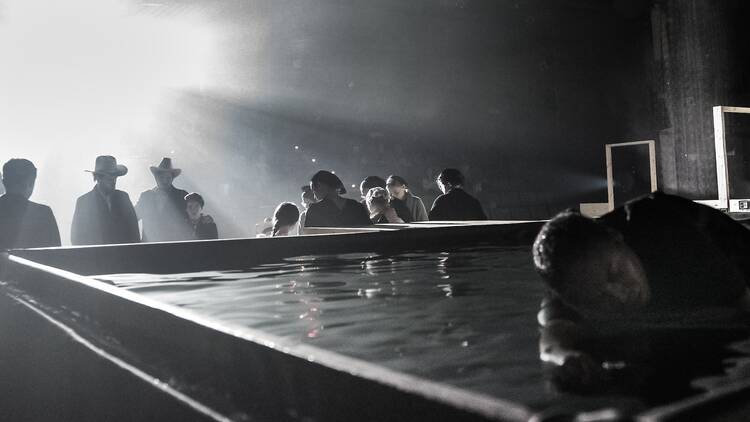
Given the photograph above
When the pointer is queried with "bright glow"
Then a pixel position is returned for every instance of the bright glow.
(296, 147)
(79, 78)
(313, 160)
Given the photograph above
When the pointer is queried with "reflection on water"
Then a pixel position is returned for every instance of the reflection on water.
(467, 318)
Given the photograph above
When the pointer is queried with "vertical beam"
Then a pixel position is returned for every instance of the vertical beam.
(652, 163)
(610, 181)
(720, 142)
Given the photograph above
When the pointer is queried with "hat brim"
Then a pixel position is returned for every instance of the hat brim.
(121, 171)
(157, 170)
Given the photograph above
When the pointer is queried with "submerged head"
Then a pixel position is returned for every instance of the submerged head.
(285, 217)
(397, 186)
(449, 179)
(19, 177)
(325, 184)
(370, 182)
(194, 204)
(589, 265)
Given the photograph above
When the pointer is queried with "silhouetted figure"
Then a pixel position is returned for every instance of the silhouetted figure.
(381, 211)
(307, 198)
(203, 225)
(332, 210)
(285, 217)
(400, 194)
(455, 204)
(23, 223)
(368, 183)
(105, 215)
(162, 209)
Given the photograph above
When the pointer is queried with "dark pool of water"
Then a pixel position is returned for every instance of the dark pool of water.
(466, 318)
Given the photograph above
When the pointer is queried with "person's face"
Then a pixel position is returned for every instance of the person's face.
(443, 186)
(396, 191)
(106, 183)
(609, 278)
(320, 190)
(307, 198)
(163, 179)
(194, 209)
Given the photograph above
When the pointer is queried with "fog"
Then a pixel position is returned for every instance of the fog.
(251, 98)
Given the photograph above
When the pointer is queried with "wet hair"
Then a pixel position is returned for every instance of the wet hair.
(396, 180)
(193, 196)
(329, 179)
(377, 195)
(451, 176)
(17, 172)
(371, 182)
(563, 241)
(285, 214)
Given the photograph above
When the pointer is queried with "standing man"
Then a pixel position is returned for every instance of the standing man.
(105, 215)
(24, 224)
(162, 209)
(455, 204)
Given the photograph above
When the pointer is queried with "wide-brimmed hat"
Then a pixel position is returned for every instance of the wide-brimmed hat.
(165, 167)
(107, 165)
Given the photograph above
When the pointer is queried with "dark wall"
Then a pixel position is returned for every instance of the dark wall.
(701, 60)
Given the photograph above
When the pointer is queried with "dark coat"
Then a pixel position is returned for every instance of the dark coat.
(26, 224)
(95, 223)
(456, 205)
(164, 220)
(205, 228)
(402, 210)
(326, 214)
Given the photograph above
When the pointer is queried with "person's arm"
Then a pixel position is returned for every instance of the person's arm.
(436, 212)
(140, 206)
(52, 230)
(421, 211)
(364, 215)
(392, 216)
(311, 218)
(570, 367)
(207, 228)
(76, 229)
(213, 231)
(131, 219)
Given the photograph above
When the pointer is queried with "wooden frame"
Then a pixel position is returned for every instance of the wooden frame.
(652, 167)
(722, 170)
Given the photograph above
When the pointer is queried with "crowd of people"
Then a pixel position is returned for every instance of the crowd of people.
(106, 215)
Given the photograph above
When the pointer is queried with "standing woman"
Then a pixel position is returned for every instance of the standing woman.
(399, 190)
(203, 225)
(332, 210)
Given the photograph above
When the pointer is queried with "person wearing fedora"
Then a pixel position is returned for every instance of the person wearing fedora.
(163, 209)
(23, 223)
(105, 215)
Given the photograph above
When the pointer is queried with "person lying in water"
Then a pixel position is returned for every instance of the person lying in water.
(656, 260)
